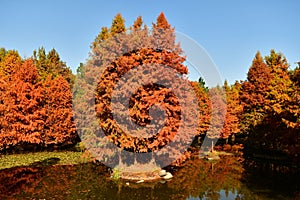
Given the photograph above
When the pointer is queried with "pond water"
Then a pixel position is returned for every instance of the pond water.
(228, 178)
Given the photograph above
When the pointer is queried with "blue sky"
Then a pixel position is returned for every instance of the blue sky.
(230, 31)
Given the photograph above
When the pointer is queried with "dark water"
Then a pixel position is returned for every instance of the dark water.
(198, 179)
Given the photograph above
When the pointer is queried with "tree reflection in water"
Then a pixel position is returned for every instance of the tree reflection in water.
(227, 178)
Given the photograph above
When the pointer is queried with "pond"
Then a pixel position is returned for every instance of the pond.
(227, 178)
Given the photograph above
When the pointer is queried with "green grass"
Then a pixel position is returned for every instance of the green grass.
(26, 159)
(116, 174)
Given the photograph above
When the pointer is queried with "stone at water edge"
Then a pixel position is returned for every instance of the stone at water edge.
(210, 158)
(162, 173)
(140, 181)
(168, 176)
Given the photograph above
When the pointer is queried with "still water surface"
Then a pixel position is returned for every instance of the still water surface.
(227, 178)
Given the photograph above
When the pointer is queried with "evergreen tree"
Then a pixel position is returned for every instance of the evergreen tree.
(51, 64)
(202, 83)
(41, 62)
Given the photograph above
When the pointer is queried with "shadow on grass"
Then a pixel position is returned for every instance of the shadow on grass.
(45, 162)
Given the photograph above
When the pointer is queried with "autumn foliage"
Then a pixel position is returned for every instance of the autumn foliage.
(141, 101)
(33, 113)
(36, 99)
(270, 99)
(263, 108)
(142, 53)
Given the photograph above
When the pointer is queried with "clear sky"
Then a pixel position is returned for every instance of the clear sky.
(231, 31)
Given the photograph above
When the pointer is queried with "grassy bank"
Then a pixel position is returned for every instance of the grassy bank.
(26, 159)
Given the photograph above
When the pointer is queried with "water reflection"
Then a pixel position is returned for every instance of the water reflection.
(197, 179)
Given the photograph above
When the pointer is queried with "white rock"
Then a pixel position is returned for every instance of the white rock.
(162, 173)
(168, 176)
(140, 181)
(213, 158)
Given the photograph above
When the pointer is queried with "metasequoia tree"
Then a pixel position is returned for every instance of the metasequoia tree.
(33, 114)
(281, 88)
(281, 107)
(164, 35)
(233, 110)
(218, 112)
(204, 105)
(21, 122)
(254, 91)
(118, 25)
(137, 25)
(59, 128)
(269, 108)
(294, 106)
(140, 103)
(10, 60)
(112, 59)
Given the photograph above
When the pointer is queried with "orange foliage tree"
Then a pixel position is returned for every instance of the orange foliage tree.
(205, 107)
(233, 111)
(22, 103)
(59, 128)
(270, 112)
(140, 103)
(112, 57)
(33, 114)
